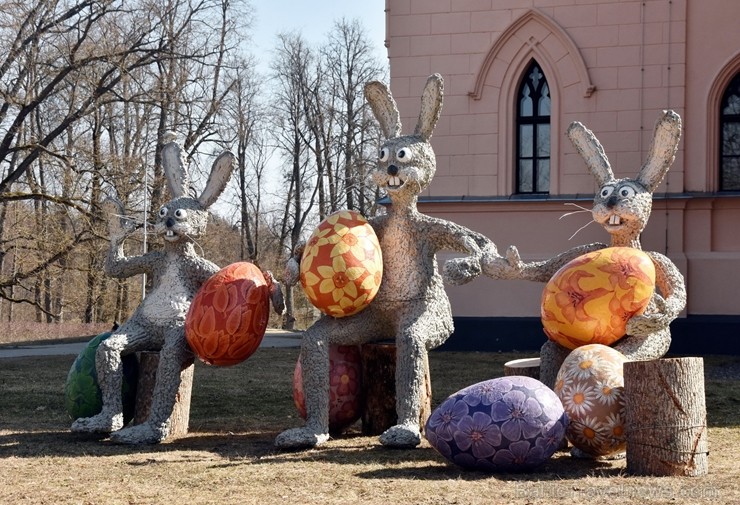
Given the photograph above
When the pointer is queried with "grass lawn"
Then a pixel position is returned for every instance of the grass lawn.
(228, 456)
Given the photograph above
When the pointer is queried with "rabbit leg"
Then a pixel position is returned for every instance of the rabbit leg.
(415, 336)
(315, 343)
(130, 337)
(552, 356)
(156, 428)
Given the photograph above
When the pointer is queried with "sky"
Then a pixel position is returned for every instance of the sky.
(314, 19)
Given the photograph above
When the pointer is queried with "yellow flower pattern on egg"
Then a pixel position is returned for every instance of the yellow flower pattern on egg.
(342, 265)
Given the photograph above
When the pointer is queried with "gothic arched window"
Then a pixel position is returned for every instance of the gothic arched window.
(533, 133)
(729, 148)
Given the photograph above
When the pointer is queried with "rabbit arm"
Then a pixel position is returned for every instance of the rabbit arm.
(666, 305)
(537, 271)
(120, 266)
(446, 235)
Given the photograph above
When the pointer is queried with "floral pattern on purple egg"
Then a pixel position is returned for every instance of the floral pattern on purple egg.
(506, 424)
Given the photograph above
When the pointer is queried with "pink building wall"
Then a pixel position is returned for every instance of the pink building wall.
(613, 65)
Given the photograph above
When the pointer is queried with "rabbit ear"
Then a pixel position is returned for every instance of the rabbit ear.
(431, 106)
(175, 169)
(384, 108)
(662, 151)
(220, 174)
(589, 147)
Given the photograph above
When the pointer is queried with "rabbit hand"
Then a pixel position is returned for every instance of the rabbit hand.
(645, 324)
(119, 226)
(499, 267)
(459, 271)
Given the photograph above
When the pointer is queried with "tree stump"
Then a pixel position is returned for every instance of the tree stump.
(666, 417)
(379, 389)
(528, 367)
(180, 418)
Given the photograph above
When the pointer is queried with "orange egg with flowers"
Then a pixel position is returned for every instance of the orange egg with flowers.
(228, 316)
(342, 265)
(345, 381)
(591, 298)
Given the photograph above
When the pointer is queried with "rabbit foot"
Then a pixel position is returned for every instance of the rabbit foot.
(140, 434)
(402, 436)
(300, 438)
(100, 423)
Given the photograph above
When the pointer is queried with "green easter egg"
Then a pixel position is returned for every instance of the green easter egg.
(82, 395)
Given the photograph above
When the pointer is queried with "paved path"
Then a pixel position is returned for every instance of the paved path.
(273, 338)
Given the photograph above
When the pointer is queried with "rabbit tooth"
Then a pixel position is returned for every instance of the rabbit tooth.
(614, 219)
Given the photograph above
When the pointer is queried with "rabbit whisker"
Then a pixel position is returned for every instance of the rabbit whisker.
(574, 212)
(581, 228)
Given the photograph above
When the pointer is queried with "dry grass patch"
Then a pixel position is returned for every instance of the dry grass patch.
(228, 457)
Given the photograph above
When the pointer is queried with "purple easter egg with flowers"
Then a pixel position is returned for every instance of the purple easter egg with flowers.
(508, 424)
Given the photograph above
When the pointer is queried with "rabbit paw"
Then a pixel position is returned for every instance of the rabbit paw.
(300, 438)
(401, 436)
(459, 271)
(644, 325)
(498, 267)
(118, 225)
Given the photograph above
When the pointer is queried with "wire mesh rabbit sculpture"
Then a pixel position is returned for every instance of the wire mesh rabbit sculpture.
(411, 306)
(622, 207)
(158, 323)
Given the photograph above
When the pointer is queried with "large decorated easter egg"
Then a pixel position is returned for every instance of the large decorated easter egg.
(342, 266)
(590, 385)
(228, 316)
(82, 395)
(507, 424)
(591, 298)
(345, 386)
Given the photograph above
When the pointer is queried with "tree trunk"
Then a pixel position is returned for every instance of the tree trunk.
(180, 418)
(379, 389)
(528, 367)
(666, 417)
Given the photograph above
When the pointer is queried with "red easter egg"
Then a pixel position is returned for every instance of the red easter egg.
(591, 298)
(228, 316)
(344, 387)
(342, 264)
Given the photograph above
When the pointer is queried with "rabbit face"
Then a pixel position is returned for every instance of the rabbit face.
(622, 207)
(406, 166)
(181, 219)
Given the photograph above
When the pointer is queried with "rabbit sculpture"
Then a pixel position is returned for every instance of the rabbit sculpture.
(158, 323)
(411, 306)
(622, 207)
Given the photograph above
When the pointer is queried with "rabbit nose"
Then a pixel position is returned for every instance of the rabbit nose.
(392, 170)
(170, 222)
(611, 202)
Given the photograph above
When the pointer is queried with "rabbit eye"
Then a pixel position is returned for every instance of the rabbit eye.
(403, 154)
(163, 212)
(181, 214)
(627, 192)
(606, 192)
(383, 156)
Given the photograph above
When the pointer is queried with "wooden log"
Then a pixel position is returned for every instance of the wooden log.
(180, 417)
(666, 417)
(528, 367)
(379, 389)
